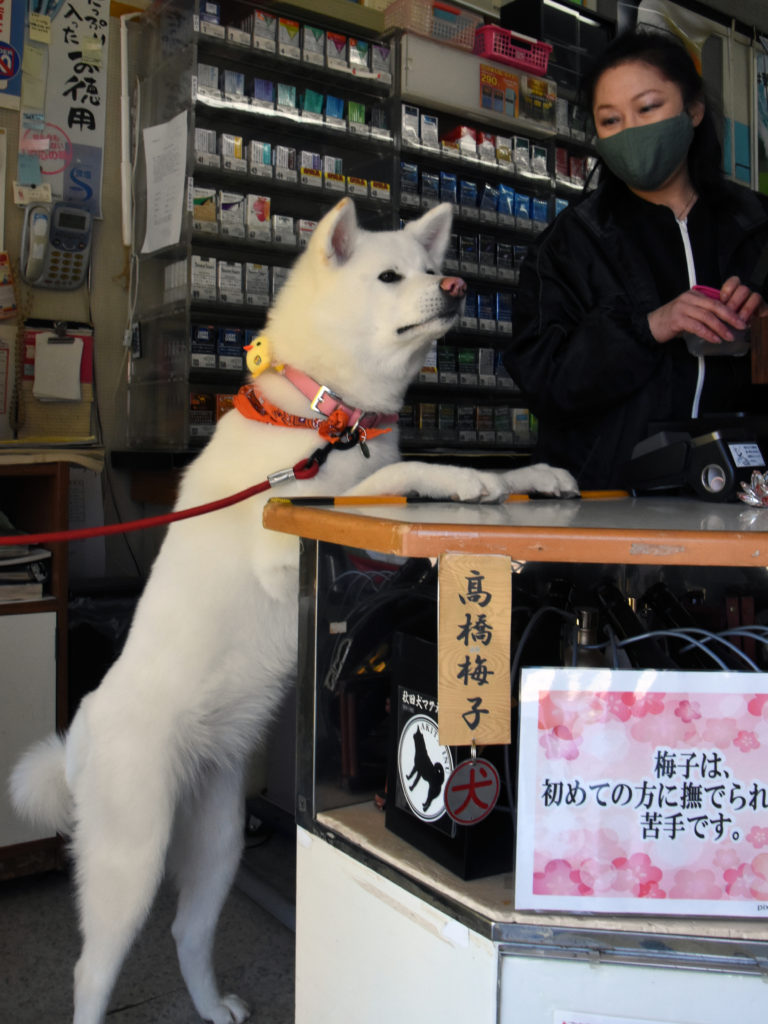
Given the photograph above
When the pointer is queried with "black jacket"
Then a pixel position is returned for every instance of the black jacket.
(582, 351)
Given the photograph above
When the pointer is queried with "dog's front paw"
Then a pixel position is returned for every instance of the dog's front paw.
(231, 1010)
(541, 478)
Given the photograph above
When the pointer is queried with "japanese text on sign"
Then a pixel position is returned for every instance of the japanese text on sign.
(475, 602)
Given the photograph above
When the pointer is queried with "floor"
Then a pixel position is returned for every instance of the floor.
(39, 943)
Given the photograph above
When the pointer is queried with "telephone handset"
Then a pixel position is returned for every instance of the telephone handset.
(56, 246)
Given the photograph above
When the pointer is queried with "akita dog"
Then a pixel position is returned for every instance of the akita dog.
(150, 775)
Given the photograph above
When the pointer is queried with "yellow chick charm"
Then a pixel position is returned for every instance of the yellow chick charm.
(259, 356)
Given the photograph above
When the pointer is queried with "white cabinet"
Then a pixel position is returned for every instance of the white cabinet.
(27, 704)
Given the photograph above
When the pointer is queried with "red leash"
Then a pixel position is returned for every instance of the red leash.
(303, 470)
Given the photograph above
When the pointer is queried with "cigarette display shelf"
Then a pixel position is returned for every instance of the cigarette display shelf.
(171, 42)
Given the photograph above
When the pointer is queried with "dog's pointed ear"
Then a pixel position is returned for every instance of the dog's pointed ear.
(433, 231)
(336, 234)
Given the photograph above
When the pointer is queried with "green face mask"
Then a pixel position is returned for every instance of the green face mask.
(645, 157)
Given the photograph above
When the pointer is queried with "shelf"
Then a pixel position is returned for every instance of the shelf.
(211, 49)
(241, 112)
(452, 86)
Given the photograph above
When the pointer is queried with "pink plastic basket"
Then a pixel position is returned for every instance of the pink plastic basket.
(435, 19)
(520, 51)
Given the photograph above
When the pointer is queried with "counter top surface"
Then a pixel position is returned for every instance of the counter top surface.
(641, 530)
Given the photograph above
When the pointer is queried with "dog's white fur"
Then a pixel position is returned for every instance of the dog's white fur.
(150, 775)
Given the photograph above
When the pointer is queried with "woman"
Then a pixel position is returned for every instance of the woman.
(605, 295)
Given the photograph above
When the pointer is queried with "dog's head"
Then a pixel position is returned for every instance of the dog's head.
(360, 308)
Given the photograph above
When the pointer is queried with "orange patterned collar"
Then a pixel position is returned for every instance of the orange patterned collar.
(254, 406)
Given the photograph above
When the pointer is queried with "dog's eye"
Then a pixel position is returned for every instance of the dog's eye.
(431, 271)
(390, 276)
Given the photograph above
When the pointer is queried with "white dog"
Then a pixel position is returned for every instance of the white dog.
(150, 775)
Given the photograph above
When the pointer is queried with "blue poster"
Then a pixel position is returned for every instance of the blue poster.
(12, 14)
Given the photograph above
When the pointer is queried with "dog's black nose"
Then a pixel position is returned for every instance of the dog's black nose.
(455, 286)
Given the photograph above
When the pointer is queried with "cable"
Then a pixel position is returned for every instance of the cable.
(686, 635)
(513, 673)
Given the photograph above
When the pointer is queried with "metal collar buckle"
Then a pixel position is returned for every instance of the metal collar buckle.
(323, 392)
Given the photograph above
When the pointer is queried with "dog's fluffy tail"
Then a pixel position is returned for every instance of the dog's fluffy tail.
(38, 786)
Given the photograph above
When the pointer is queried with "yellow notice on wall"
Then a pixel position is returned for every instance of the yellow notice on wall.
(475, 612)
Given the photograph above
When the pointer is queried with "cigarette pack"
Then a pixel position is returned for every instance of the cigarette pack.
(357, 186)
(486, 245)
(409, 124)
(429, 131)
(356, 118)
(260, 158)
(202, 414)
(486, 147)
(288, 38)
(358, 55)
(256, 284)
(229, 281)
(467, 195)
(539, 159)
(486, 316)
(210, 11)
(505, 266)
(263, 93)
(465, 423)
(522, 426)
(446, 419)
(285, 97)
(428, 371)
(284, 159)
(522, 210)
(202, 278)
(447, 372)
(521, 154)
(233, 84)
(264, 31)
(313, 45)
(504, 151)
(381, 61)
(430, 189)
(207, 78)
(232, 150)
(504, 312)
(310, 169)
(204, 209)
(468, 254)
(283, 232)
(229, 349)
(306, 228)
(202, 347)
(258, 214)
(232, 214)
(539, 213)
(336, 51)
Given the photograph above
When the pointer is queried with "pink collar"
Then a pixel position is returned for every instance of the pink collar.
(325, 401)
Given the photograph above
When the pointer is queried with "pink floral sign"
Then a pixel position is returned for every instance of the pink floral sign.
(643, 792)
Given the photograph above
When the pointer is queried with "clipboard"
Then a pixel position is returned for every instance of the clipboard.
(45, 415)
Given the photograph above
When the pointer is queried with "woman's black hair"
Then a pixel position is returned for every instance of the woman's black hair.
(672, 60)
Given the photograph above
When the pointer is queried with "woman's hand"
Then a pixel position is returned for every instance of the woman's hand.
(740, 299)
(711, 319)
